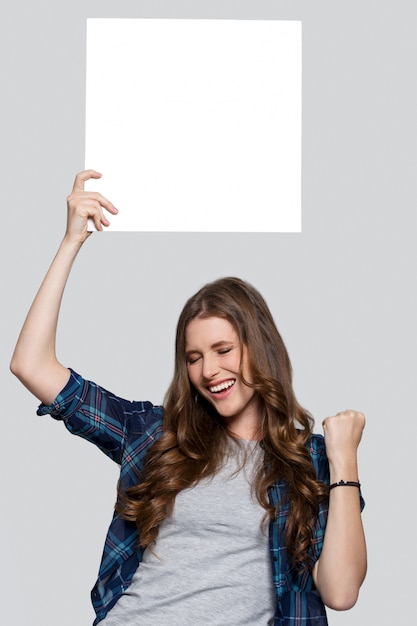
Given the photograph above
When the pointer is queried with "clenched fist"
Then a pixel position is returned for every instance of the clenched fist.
(342, 435)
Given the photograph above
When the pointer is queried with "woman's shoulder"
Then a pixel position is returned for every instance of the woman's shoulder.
(105, 419)
(316, 442)
(80, 392)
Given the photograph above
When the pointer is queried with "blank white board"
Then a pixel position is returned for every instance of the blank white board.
(195, 124)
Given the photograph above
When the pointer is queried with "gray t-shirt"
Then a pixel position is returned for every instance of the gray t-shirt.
(212, 563)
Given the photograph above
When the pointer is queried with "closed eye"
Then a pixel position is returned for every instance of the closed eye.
(192, 358)
(224, 350)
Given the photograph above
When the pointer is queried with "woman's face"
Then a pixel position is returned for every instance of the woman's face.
(213, 355)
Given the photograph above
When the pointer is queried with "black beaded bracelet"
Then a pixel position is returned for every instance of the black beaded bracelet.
(345, 483)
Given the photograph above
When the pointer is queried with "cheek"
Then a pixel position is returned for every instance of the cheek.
(192, 374)
(232, 364)
(246, 370)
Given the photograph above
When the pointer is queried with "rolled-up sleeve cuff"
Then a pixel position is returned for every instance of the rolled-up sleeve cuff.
(68, 400)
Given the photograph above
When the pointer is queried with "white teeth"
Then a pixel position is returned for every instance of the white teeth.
(222, 386)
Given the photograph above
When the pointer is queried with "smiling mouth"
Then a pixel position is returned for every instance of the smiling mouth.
(222, 386)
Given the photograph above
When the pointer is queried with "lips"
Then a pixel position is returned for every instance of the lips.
(223, 386)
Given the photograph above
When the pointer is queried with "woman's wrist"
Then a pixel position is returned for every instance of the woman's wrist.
(73, 242)
(345, 483)
(344, 470)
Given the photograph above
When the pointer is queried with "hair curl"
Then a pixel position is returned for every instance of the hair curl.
(194, 440)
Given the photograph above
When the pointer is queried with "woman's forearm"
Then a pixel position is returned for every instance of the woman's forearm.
(341, 568)
(34, 360)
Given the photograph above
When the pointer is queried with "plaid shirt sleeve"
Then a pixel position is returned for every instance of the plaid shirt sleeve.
(92, 412)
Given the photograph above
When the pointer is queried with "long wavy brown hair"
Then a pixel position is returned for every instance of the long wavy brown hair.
(195, 438)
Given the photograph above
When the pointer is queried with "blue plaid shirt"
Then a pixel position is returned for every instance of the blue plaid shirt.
(124, 431)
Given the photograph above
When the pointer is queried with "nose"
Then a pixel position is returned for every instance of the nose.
(210, 366)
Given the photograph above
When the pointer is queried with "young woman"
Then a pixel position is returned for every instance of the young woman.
(231, 511)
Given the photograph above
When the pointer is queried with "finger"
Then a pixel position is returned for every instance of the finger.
(92, 209)
(97, 222)
(103, 219)
(106, 204)
(99, 218)
(347, 416)
(358, 416)
(82, 177)
(93, 198)
(331, 419)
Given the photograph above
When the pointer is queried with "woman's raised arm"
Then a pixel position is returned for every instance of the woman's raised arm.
(34, 359)
(341, 568)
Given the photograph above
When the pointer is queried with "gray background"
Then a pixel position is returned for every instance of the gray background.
(342, 291)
